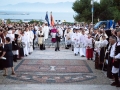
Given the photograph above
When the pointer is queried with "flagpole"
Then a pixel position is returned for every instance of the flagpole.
(92, 3)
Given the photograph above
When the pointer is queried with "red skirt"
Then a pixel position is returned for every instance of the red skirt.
(89, 53)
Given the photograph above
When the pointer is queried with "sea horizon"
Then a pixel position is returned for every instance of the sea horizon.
(67, 16)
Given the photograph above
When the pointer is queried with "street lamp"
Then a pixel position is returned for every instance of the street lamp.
(92, 10)
(58, 21)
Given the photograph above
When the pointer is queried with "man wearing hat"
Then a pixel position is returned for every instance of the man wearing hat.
(116, 61)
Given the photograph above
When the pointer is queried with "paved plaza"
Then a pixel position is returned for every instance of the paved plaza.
(50, 70)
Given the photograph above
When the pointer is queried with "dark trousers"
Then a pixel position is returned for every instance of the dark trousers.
(109, 67)
(116, 78)
(63, 32)
(41, 47)
(57, 46)
(15, 58)
(33, 44)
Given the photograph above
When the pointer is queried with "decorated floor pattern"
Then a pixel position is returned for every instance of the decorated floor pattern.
(53, 71)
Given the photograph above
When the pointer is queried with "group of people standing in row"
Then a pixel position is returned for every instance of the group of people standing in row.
(103, 47)
(107, 53)
(17, 41)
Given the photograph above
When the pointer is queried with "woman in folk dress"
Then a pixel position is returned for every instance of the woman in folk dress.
(89, 48)
(41, 38)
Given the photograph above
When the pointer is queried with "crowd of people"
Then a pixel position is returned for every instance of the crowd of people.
(103, 47)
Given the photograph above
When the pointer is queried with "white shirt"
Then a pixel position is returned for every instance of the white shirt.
(11, 36)
(83, 39)
(104, 43)
(76, 38)
(27, 34)
(89, 42)
(112, 51)
(46, 31)
(118, 55)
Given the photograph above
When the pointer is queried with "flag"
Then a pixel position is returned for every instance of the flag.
(47, 19)
(52, 20)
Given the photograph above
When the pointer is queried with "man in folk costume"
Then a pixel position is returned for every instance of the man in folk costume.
(89, 47)
(76, 40)
(112, 41)
(27, 34)
(41, 38)
(116, 61)
(82, 44)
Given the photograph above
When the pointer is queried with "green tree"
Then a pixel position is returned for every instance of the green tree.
(83, 10)
(105, 10)
(20, 22)
(8, 21)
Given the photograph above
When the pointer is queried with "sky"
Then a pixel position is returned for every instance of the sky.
(6, 2)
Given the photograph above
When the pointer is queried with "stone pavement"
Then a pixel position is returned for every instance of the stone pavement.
(62, 69)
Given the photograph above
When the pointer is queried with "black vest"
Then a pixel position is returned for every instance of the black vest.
(117, 51)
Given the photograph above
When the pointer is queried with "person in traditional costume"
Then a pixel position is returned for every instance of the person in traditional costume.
(112, 41)
(116, 62)
(89, 47)
(76, 40)
(103, 46)
(82, 44)
(41, 38)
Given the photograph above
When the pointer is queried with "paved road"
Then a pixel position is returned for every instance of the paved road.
(50, 70)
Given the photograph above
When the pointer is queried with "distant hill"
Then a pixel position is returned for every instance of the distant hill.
(39, 7)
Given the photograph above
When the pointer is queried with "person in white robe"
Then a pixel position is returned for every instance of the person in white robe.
(31, 41)
(24, 39)
(68, 36)
(82, 44)
(27, 38)
(76, 41)
(46, 31)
